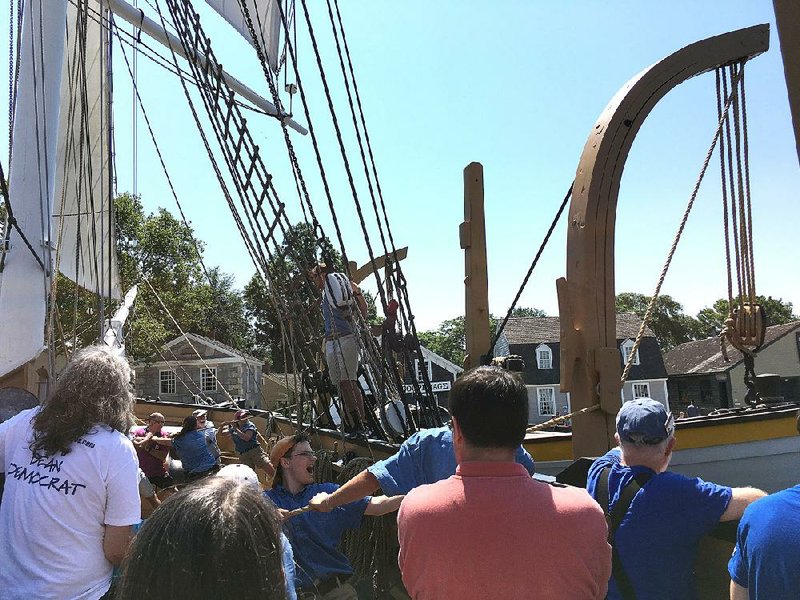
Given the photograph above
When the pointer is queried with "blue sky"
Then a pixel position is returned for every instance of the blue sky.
(516, 86)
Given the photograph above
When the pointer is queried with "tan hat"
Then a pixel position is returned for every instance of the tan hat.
(280, 449)
(156, 415)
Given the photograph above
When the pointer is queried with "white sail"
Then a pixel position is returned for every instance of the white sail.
(25, 285)
(265, 16)
(82, 221)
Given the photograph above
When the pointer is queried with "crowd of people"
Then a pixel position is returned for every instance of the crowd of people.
(472, 521)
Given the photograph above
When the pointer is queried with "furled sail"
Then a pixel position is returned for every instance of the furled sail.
(266, 18)
(82, 215)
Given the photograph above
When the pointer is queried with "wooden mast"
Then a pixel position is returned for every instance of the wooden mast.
(590, 360)
(472, 233)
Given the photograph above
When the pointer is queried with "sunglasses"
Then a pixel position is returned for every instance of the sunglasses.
(306, 454)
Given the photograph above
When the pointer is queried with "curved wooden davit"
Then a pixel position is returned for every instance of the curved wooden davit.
(590, 360)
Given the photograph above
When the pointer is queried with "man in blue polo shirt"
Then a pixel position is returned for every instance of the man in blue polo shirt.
(766, 561)
(322, 571)
(656, 541)
(425, 457)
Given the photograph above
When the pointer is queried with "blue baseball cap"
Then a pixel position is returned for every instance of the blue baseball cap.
(644, 421)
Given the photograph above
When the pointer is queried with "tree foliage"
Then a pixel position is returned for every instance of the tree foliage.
(449, 339)
(524, 311)
(711, 320)
(668, 321)
(161, 255)
(286, 306)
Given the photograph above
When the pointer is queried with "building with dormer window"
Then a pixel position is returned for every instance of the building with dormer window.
(537, 340)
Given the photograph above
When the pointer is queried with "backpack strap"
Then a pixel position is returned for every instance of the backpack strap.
(614, 518)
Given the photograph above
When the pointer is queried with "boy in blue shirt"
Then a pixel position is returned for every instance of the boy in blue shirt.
(322, 571)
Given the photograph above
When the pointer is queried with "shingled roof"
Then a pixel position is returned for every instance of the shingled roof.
(538, 330)
(704, 356)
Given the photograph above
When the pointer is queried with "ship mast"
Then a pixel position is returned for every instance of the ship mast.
(472, 233)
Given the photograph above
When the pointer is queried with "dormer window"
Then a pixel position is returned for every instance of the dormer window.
(625, 349)
(544, 357)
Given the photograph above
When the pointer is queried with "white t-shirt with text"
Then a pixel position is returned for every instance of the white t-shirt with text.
(54, 509)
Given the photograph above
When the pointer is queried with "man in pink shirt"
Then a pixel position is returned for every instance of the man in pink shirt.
(490, 531)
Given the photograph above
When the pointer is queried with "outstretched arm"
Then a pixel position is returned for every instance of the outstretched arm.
(381, 505)
(360, 486)
(138, 442)
(738, 592)
(360, 301)
(741, 499)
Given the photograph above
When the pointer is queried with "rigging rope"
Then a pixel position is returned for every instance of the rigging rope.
(233, 160)
(12, 222)
(649, 312)
(552, 227)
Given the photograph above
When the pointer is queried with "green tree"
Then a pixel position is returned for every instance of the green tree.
(225, 317)
(668, 322)
(158, 250)
(449, 339)
(524, 311)
(284, 313)
(712, 320)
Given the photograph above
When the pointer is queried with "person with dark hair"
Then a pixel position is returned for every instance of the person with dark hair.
(246, 475)
(645, 502)
(71, 492)
(219, 538)
(191, 445)
(323, 572)
(340, 299)
(462, 537)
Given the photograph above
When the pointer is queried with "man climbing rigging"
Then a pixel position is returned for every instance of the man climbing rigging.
(340, 298)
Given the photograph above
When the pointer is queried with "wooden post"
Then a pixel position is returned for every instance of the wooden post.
(787, 16)
(472, 233)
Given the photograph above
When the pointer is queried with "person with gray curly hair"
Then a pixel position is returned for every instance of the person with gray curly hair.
(71, 493)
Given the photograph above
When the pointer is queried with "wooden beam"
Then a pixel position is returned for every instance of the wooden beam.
(472, 233)
(588, 292)
(787, 16)
(359, 274)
